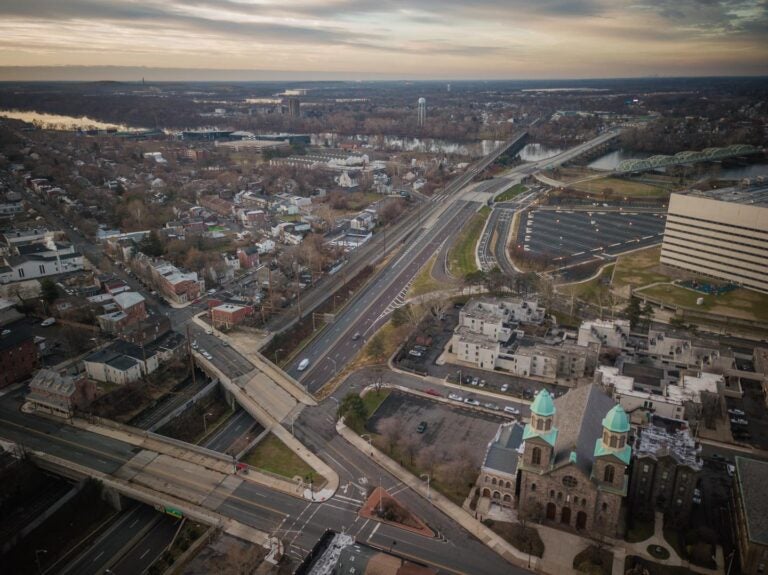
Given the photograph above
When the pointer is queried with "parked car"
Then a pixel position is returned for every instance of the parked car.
(731, 469)
(431, 391)
(512, 410)
(470, 401)
(420, 348)
(415, 353)
(739, 421)
(211, 291)
(492, 406)
(475, 381)
(48, 322)
(422, 427)
(482, 383)
(455, 397)
(736, 412)
(505, 387)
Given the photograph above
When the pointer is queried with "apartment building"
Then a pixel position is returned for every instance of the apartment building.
(722, 234)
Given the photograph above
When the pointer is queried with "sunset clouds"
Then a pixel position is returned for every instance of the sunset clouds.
(397, 38)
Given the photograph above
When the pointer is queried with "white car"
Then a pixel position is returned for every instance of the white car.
(731, 469)
(505, 387)
(512, 410)
(736, 412)
(470, 401)
(303, 364)
(48, 322)
(475, 380)
(455, 397)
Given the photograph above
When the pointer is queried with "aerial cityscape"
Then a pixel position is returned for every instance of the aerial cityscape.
(336, 287)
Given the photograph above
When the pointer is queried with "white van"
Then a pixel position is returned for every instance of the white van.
(303, 364)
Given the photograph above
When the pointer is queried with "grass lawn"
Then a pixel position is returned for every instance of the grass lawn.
(594, 561)
(638, 269)
(640, 531)
(373, 399)
(742, 303)
(274, 456)
(507, 195)
(525, 539)
(424, 282)
(592, 290)
(461, 258)
(620, 188)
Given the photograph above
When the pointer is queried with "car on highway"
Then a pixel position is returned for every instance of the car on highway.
(505, 387)
(470, 401)
(455, 397)
(48, 322)
(303, 364)
(736, 412)
(356, 336)
(431, 391)
(512, 410)
(422, 427)
(205, 354)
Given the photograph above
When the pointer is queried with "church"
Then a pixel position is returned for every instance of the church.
(575, 458)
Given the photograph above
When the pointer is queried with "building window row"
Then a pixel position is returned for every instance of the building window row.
(727, 257)
(686, 264)
(711, 222)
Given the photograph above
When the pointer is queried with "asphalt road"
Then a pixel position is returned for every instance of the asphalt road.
(236, 426)
(335, 346)
(148, 548)
(112, 541)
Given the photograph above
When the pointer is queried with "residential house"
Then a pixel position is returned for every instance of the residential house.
(18, 353)
(57, 394)
(227, 315)
(248, 257)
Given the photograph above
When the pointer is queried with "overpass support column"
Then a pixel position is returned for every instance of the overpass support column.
(113, 497)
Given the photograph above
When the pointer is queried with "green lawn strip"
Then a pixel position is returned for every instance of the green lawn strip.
(461, 258)
(373, 399)
(507, 195)
(620, 187)
(740, 302)
(590, 290)
(274, 456)
(424, 282)
(638, 269)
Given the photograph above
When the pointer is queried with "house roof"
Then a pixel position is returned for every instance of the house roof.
(502, 450)
(578, 419)
(128, 299)
(752, 477)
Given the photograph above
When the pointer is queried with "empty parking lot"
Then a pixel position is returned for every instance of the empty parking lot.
(572, 237)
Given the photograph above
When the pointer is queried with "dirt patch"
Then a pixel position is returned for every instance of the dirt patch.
(381, 506)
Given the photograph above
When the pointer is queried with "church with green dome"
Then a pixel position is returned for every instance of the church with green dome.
(573, 472)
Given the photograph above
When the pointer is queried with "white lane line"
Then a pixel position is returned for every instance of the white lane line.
(97, 557)
(375, 529)
(144, 554)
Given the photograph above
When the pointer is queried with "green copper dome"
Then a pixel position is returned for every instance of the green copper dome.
(616, 420)
(543, 405)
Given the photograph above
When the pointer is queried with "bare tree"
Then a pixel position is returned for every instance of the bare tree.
(390, 430)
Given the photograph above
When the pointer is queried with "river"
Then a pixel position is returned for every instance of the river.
(59, 122)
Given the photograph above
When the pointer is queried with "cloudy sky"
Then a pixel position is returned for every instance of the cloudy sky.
(398, 38)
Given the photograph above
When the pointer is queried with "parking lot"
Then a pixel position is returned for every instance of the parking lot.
(447, 425)
(571, 237)
(755, 432)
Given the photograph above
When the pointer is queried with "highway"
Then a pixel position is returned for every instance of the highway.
(298, 522)
(335, 345)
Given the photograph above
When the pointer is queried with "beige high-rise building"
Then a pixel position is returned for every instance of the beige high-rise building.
(722, 234)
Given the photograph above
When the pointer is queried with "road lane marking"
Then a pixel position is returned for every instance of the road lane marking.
(97, 557)
(144, 554)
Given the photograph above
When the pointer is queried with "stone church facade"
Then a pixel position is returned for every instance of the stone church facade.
(574, 467)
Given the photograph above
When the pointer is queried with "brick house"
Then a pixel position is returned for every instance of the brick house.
(497, 481)
(18, 354)
(248, 256)
(573, 472)
(228, 315)
(57, 394)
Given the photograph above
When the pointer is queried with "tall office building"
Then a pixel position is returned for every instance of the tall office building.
(422, 111)
(294, 107)
(721, 233)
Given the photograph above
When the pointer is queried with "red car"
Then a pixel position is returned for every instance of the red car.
(431, 391)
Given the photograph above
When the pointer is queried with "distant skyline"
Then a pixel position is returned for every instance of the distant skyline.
(381, 39)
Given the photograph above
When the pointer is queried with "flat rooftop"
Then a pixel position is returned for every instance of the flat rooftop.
(752, 196)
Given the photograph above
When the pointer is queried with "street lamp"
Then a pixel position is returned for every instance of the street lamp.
(205, 423)
(276, 351)
(427, 476)
(37, 558)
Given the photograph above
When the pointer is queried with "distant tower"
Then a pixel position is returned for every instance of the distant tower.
(294, 107)
(422, 117)
(447, 87)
